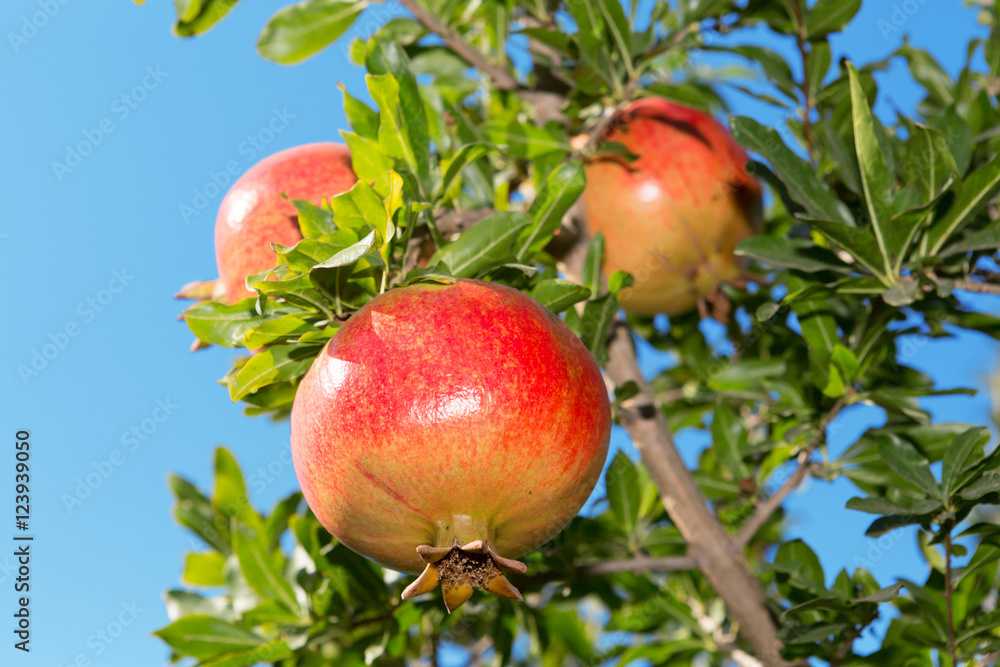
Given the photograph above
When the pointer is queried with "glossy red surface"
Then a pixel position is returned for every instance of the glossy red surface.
(672, 217)
(253, 213)
(438, 411)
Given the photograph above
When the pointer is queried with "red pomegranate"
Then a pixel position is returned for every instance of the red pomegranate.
(253, 213)
(448, 428)
(672, 217)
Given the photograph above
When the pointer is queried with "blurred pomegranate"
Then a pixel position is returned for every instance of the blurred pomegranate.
(253, 213)
(672, 217)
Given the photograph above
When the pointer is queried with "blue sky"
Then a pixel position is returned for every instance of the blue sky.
(99, 240)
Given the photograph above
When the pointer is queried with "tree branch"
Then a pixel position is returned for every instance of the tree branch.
(979, 288)
(771, 505)
(500, 76)
(718, 557)
(640, 564)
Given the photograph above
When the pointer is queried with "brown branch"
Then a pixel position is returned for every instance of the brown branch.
(771, 505)
(718, 557)
(500, 76)
(640, 564)
(978, 287)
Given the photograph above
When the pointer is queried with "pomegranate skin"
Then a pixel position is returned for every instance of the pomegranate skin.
(672, 217)
(253, 213)
(442, 412)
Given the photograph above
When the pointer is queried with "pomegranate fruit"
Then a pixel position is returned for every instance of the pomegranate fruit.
(253, 213)
(672, 217)
(448, 428)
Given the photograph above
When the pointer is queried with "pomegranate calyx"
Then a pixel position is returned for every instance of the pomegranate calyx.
(202, 290)
(462, 569)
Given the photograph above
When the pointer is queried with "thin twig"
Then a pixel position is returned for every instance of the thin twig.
(500, 76)
(978, 287)
(640, 564)
(771, 505)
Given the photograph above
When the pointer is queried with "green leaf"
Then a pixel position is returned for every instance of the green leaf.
(797, 175)
(195, 512)
(908, 463)
(622, 483)
(729, 441)
(181, 603)
(187, 9)
(595, 323)
(775, 66)
(367, 159)
(562, 188)
(314, 221)
(965, 451)
(828, 16)
(486, 245)
(592, 264)
(274, 650)
(205, 637)
(929, 160)
(209, 13)
(219, 324)
(887, 524)
(262, 572)
(796, 557)
(928, 73)
(557, 294)
(387, 57)
(275, 364)
(272, 330)
(984, 239)
(230, 498)
(393, 136)
(361, 117)
(619, 281)
(875, 505)
(875, 179)
(277, 522)
(857, 241)
(790, 253)
(465, 156)
(970, 197)
(617, 25)
(818, 65)
(301, 30)
(594, 49)
(958, 135)
(205, 569)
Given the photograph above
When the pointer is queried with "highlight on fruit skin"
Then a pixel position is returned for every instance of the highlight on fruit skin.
(447, 429)
(673, 217)
(253, 214)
